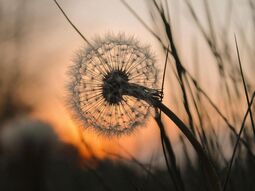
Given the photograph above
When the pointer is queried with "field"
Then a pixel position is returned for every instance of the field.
(127, 95)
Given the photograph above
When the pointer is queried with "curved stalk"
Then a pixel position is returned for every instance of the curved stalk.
(209, 170)
(153, 97)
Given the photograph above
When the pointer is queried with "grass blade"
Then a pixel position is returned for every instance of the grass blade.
(75, 28)
(237, 143)
(245, 88)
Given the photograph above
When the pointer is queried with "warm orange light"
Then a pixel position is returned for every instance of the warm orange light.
(87, 142)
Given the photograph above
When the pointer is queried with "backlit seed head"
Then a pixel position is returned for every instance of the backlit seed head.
(100, 79)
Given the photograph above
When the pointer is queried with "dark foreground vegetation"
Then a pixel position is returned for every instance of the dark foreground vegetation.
(47, 164)
(34, 159)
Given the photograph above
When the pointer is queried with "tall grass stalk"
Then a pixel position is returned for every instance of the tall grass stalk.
(237, 143)
(168, 152)
(245, 87)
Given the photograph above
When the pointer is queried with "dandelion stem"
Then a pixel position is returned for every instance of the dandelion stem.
(205, 161)
(153, 97)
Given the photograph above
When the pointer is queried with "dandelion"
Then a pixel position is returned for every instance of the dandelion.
(113, 86)
(108, 84)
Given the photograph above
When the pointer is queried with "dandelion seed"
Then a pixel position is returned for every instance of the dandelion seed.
(102, 94)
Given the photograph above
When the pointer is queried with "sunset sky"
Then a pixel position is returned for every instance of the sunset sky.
(50, 43)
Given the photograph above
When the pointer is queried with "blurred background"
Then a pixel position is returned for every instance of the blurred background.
(41, 147)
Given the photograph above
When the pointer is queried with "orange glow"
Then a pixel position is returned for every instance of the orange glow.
(69, 132)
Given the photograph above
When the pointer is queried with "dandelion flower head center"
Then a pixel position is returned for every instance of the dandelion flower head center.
(102, 79)
(114, 84)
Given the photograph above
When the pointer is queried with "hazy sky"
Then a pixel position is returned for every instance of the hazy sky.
(51, 44)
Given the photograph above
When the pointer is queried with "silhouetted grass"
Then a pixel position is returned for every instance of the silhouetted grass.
(160, 14)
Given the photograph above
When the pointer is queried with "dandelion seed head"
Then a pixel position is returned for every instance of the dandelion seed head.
(99, 84)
